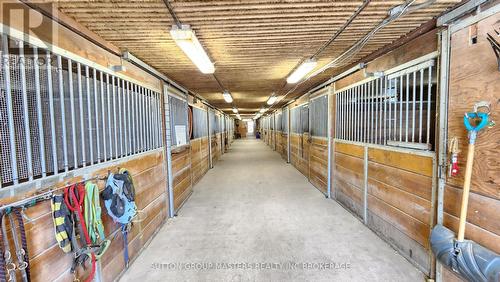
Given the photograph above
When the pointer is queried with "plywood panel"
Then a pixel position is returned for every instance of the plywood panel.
(474, 77)
(318, 163)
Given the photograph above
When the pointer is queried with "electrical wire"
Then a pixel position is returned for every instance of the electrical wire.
(394, 14)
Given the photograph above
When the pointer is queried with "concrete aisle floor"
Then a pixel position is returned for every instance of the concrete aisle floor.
(254, 208)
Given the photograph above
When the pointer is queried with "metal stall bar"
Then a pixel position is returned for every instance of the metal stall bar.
(115, 129)
(39, 112)
(108, 102)
(414, 106)
(429, 102)
(141, 119)
(124, 117)
(104, 145)
(421, 107)
(10, 111)
(72, 107)
(168, 139)
(27, 133)
(129, 121)
(89, 115)
(80, 104)
(119, 130)
(63, 113)
(50, 91)
(401, 109)
(96, 110)
(150, 119)
(134, 118)
(388, 109)
(407, 106)
(375, 101)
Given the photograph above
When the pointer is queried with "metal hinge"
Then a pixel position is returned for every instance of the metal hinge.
(442, 171)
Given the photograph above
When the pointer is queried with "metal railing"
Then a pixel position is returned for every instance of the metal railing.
(394, 110)
(58, 114)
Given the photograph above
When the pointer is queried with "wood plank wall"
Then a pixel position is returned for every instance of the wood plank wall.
(399, 202)
(49, 263)
(299, 148)
(181, 172)
(284, 146)
(318, 163)
(349, 175)
(474, 77)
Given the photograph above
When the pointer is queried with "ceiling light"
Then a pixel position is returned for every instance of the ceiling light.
(227, 97)
(186, 39)
(235, 110)
(238, 116)
(263, 110)
(272, 99)
(306, 67)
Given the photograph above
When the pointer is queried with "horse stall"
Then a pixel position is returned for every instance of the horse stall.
(200, 152)
(74, 122)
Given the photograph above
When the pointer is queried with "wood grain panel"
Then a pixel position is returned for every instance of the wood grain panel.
(414, 163)
(473, 78)
(350, 149)
(408, 203)
(410, 182)
(415, 229)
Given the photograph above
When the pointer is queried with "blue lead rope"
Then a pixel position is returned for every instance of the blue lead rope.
(125, 244)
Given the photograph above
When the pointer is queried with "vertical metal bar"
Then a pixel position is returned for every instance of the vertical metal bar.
(63, 113)
(407, 105)
(129, 121)
(134, 117)
(157, 119)
(352, 116)
(110, 136)
(375, 101)
(355, 114)
(96, 110)
(337, 115)
(124, 116)
(413, 106)
(389, 99)
(39, 112)
(72, 107)
(421, 107)
(27, 131)
(104, 145)
(148, 119)
(89, 115)
(80, 99)
(396, 97)
(382, 112)
(365, 190)
(120, 126)
(429, 102)
(401, 109)
(364, 90)
(115, 125)
(50, 91)
(10, 111)
(141, 119)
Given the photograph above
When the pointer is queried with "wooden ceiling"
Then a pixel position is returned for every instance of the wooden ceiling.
(255, 44)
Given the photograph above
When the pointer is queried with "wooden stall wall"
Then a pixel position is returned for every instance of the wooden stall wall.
(399, 202)
(49, 263)
(474, 77)
(181, 172)
(395, 184)
(47, 260)
(318, 163)
(349, 176)
(299, 148)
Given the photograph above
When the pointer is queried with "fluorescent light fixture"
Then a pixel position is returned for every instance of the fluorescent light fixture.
(272, 99)
(263, 110)
(306, 67)
(186, 39)
(238, 116)
(235, 110)
(227, 97)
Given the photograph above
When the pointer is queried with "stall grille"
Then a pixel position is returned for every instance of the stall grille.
(58, 115)
(394, 110)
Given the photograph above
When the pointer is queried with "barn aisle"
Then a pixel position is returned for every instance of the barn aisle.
(255, 218)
